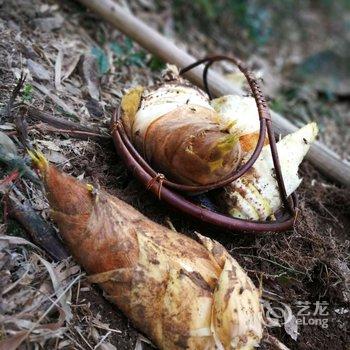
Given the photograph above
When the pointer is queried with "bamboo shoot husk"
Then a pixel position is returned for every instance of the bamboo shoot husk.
(181, 293)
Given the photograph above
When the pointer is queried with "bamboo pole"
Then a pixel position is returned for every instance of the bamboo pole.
(324, 159)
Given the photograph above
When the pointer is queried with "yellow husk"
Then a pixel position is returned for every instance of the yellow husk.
(38, 159)
(130, 104)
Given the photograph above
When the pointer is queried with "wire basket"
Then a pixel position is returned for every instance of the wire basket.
(176, 194)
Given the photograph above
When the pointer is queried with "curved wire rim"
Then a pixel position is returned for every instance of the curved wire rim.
(184, 205)
(143, 170)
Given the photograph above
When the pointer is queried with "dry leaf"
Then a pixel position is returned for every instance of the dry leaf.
(17, 240)
(49, 145)
(291, 327)
(56, 157)
(69, 66)
(49, 23)
(56, 278)
(13, 342)
(89, 71)
(58, 69)
(38, 71)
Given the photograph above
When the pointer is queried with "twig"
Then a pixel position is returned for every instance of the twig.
(82, 337)
(19, 120)
(79, 134)
(45, 117)
(78, 293)
(270, 339)
(61, 125)
(102, 340)
(15, 132)
(39, 230)
(101, 326)
(14, 95)
(74, 341)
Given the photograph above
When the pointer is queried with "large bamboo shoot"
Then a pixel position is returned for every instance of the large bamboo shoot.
(181, 293)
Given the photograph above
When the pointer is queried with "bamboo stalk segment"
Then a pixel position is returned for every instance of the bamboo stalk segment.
(324, 159)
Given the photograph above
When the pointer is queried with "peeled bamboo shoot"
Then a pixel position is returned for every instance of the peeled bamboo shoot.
(255, 195)
(179, 133)
(240, 116)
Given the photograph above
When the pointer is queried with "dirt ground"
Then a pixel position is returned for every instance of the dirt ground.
(53, 42)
